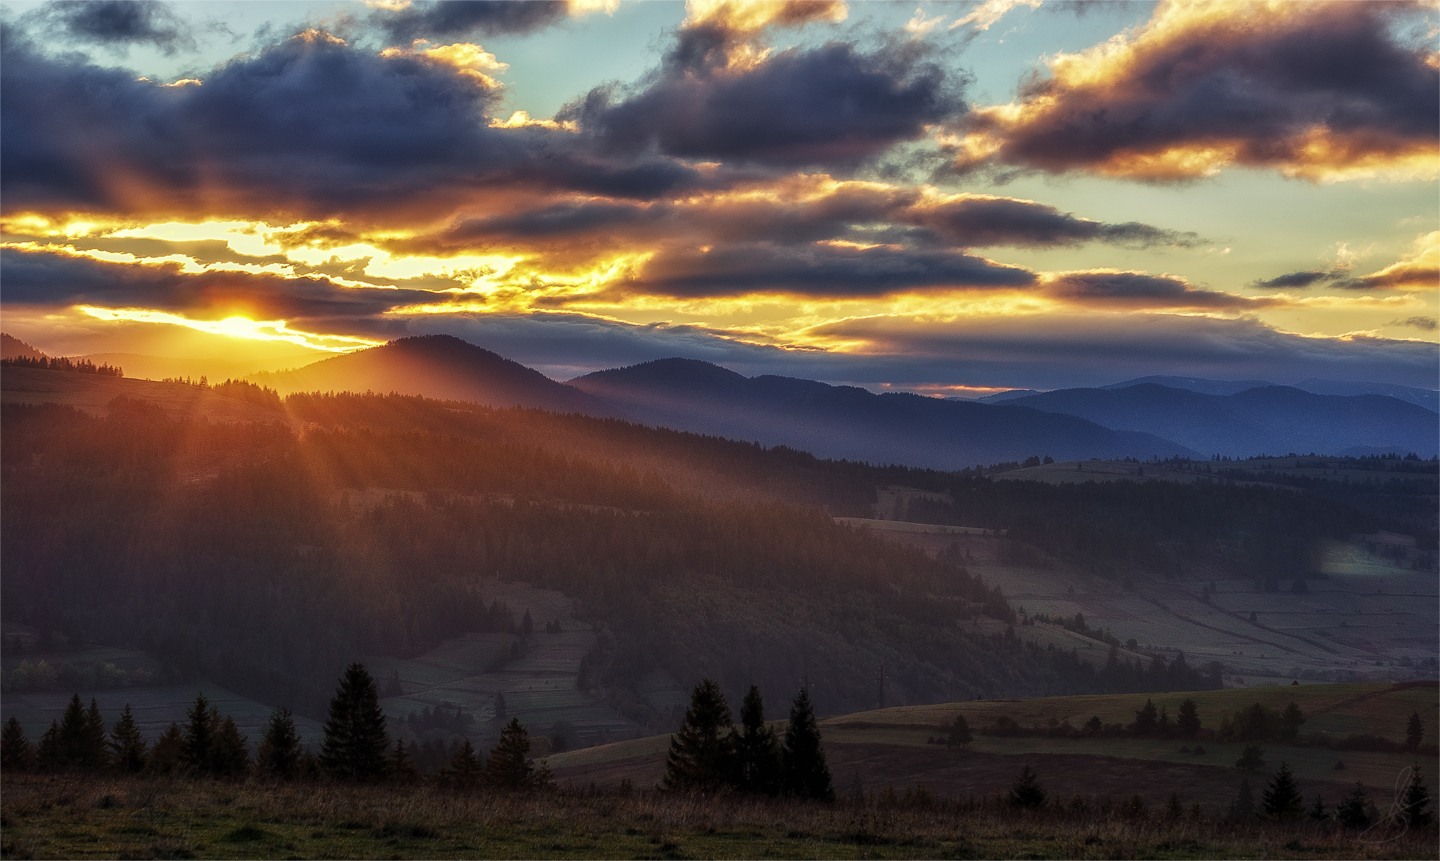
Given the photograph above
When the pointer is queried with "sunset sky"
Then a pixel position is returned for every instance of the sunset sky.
(950, 198)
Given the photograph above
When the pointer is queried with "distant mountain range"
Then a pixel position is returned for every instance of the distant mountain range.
(1143, 418)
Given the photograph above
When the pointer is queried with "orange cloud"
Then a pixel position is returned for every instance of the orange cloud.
(1315, 90)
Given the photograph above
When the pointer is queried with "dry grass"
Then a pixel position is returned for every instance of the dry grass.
(71, 817)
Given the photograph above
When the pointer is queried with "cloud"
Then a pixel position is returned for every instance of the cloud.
(118, 24)
(1298, 280)
(716, 96)
(818, 270)
(1114, 288)
(1315, 90)
(1426, 324)
(982, 220)
(1086, 349)
(461, 18)
(1419, 270)
(307, 129)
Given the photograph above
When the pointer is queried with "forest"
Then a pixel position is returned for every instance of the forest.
(245, 553)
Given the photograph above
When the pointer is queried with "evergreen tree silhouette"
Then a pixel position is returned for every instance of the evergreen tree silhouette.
(1187, 721)
(16, 752)
(355, 742)
(401, 764)
(167, 755)
(465, 770)
(1282, 798)
(127, 744)
(279, 752)
(806, 774)
(509, 765)
(230, 756)
(757, 754)
(1354, 811)
(1026, 791)
(1415, 800)
(202, 722)
(959, 733)
(701, 752)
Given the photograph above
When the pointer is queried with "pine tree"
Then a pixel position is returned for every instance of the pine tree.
(49, 754)
(959, 734)
(1243, 807)
(355, 739)
(1026, 791)
(401, 764)
(167, 755)
(1252, 759)
(465, 770)
(1146, 719)
(73, 732)
(509, 765)
(127, 744)
(1354, 811)
(1415, 801)
(701, 753)
(16, 752)
(1291, 719)
(1317, 810)
(230, 757)
(1187, 721)
(279, 752)
(805, 773)
(1282, 798)
(202, 721)
(757, 755)
(94, 751)
(1414, 732)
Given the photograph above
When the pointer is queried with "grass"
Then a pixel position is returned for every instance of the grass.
(68, 817)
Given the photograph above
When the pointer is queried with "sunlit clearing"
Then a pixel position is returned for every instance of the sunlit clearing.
(235, 327)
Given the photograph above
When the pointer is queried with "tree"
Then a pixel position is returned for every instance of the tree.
(202, 722)
(757, 753)
(1415, 800)
(1187, 721)
(279, 752)
(16, 752)
(355, 739)
(509, 765)
(1317, 810)
(1252, 759)
(167, 755)
(230, 757)
(48, 754)
(959, 734)
(1282, 798)
(94, 751)
(805, 773)
(401, 764)
(1026, 791)
(1354, 811)
(127, 744)
(701, 753)
(1291, 719)
(465, 770)
(1146, 719)
(1414, 732)
(1244, 805)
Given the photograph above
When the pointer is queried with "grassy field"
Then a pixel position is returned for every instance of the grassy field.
(60, 817)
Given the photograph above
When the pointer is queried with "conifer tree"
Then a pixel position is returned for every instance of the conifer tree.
(1291, 719)
(355, 739)
(1146, 719)
(1354, 811)
(48, 754)
(202, 721)
(16, 752)
(401, 764)
(1414, 732)
(1187, 721)
(1244, 805)
(959, 734)
(230, 756)
(1252, 759)
(805, 773)
(465, 769)
(1282, 798)
(94, 751)
(1026, 791)
(73, 732)
(167, 755)
(127, 745)
(701, 753)
(757, 755)
(509, 765)
(1415, 801)
(1317, 810)
(279, 752)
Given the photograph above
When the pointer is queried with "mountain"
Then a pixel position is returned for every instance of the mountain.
(1012, 394)
(852, 423)
(436, 366)
(1267, 419)
(1427, 398)
(14, 348)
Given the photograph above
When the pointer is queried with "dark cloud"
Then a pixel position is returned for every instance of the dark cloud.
(1062, 351)
(1309, 89)
(832, 105)
(1427, 324)
(308, 128)
(44, 279)
(1299, 280)
(819, 270)
(987, 221)
(1141, 290)
(1408, 274)
(461, 18)
(120, 23)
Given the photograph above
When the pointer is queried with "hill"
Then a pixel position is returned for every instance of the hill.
(11, 348)
(851, 423)
(436, 366)
(1264, 420)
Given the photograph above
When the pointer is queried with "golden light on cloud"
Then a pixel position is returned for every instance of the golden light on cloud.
(234, 326)
(470, 60)
(752, 16)
(522, 119)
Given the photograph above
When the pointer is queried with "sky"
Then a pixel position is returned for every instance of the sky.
(952, 198)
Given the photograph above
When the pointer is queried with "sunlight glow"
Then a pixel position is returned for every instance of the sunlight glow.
(235, 327)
